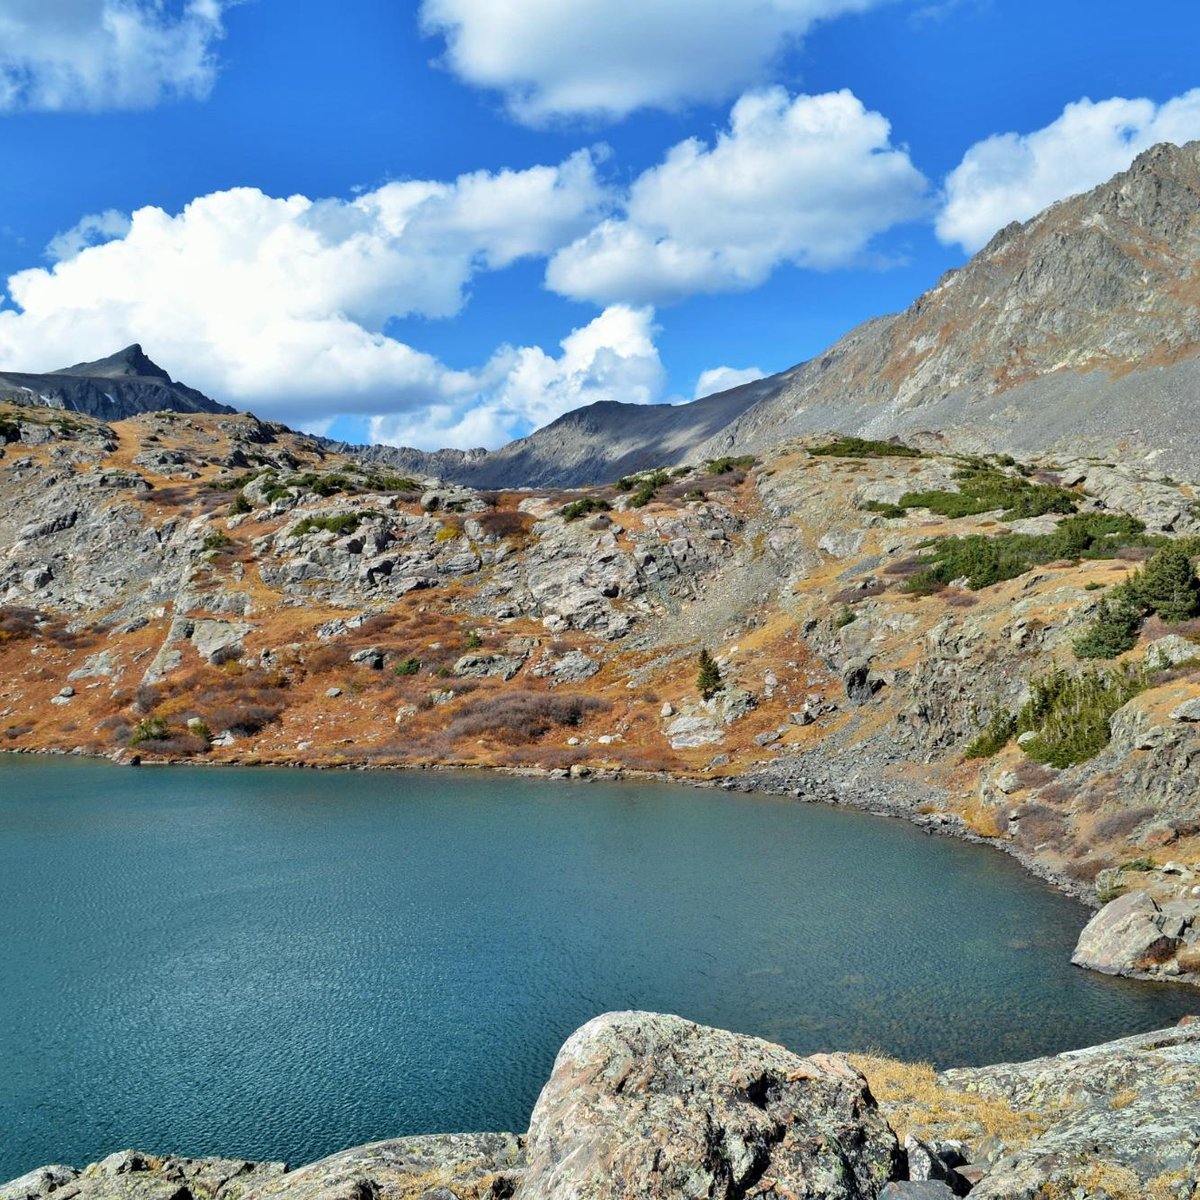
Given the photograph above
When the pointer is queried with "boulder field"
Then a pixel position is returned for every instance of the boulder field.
(646, 1106)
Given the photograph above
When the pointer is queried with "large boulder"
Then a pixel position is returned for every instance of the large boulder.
(1135, 935)
(642, 1105)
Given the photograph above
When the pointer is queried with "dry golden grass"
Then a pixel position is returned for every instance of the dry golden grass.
(985, 820)
(915, 1102)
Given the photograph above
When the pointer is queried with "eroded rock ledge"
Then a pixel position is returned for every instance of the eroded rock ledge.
(644, 1106)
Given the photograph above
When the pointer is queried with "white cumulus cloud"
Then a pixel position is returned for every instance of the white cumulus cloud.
(91, 55)
(721, 379)
(807, 180)
(282, 303)
(1012, 176)
(552, 58)
(613, 357)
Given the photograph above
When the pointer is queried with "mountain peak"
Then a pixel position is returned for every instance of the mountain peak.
(130, 362)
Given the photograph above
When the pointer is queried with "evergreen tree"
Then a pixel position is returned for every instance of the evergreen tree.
(708, 680)
(1168, 585)
(1114, 630)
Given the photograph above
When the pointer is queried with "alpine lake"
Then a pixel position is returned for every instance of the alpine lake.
(282, 963)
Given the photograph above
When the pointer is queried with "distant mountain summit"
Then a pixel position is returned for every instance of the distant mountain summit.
(1075, 332)
(122, 385)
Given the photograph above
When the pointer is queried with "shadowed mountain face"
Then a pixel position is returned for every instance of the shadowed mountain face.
(123, 385)
(1078, 331)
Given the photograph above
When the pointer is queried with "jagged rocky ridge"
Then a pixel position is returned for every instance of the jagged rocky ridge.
(643, 1106)
(113, 388)
(1077, 332)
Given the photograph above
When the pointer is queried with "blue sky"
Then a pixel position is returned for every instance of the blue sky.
(424, 224)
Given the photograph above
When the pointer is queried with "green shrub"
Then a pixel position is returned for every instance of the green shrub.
(473, 640)
(338, 525)
(984, 560)
(994, 736)
(215, 541)
(582, 507)
(883, 508)
(985, 489)
(407, 666)
(708, 677)
(240, 505)
(1144, 863)
(722, 466)
(844, 618)
(1071, 714)
(856, 447)
(152, 729)
(694, 494)
(389, 483)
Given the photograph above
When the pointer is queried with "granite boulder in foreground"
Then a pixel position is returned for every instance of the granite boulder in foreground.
(643, 1106)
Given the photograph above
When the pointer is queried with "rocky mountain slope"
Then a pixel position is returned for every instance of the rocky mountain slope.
(643, 1106)
(893, 627)
(112, 389)
(1077, 332)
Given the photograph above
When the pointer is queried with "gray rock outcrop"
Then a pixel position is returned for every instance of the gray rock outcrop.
(1138, 936)
(646, 1105)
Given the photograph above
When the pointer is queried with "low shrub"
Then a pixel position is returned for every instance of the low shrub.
(505, 523)
(582, 507)
(727, 463)
(984, 560)
(985, 489)
(523, 716)
(856, 447)
(883, 508)
(341, 523)
(407, 666)
(151, 729)
(1118, 826)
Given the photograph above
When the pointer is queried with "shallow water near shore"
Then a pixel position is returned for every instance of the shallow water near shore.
(282, 963)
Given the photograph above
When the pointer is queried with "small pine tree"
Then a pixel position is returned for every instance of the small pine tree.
(1114, 630)
(1168, 585)
(708, 680)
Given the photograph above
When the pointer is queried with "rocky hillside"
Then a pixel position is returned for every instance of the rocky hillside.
(642, 1106)
(1075, 333)
(1004, 650)
(112, 389)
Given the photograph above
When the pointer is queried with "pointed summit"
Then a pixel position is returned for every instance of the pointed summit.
(128, 363)
(112, 388)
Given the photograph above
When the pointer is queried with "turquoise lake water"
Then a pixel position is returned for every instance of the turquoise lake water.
(279, 964)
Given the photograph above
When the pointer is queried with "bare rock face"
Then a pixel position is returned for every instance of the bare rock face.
(1136, 935)
(1122, 1119)
(462, 1166)
(132, 1175)
(647, 1105)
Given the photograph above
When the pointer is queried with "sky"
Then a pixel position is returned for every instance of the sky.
(447, 222)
